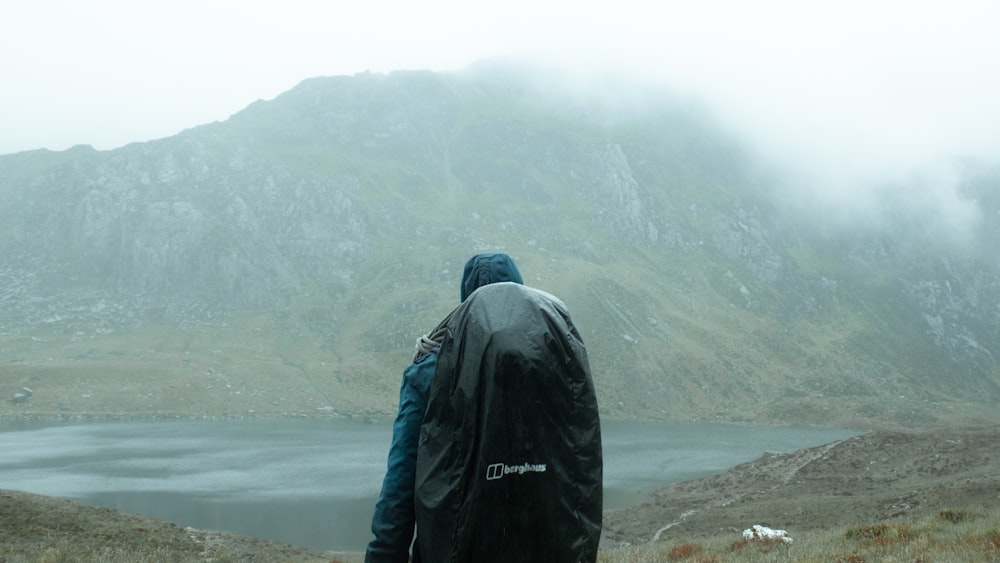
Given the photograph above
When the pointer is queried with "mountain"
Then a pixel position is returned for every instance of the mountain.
(284, 261)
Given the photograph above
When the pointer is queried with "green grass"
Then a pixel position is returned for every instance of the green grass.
(951, 535)
(67, 552)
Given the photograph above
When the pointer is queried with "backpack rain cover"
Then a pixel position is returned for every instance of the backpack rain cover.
(509, 464)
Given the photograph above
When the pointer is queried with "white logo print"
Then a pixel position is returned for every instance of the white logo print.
(498, 470)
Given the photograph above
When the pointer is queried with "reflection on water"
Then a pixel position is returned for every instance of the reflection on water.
(313, 482)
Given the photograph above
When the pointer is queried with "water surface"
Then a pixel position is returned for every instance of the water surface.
(313, 482)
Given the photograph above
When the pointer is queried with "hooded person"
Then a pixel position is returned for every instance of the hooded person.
(509, 463)
(394, 518)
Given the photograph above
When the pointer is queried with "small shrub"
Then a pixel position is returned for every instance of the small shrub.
(882, 534)
(762, 545)
(955, 516)
(739, 544)
(867, 532)
(992, 547)
(683, 551)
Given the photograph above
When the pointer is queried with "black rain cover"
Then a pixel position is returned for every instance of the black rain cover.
(509, 465)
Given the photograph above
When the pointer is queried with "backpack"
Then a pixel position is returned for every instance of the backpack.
(509, 463)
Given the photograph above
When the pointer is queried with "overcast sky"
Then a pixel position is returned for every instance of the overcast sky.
(853, 89)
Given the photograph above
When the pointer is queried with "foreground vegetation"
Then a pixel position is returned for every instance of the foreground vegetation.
(950, 535)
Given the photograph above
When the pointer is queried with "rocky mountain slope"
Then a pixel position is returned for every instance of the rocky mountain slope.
(284, 261)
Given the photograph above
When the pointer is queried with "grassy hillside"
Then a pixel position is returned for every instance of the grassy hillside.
(298, 248)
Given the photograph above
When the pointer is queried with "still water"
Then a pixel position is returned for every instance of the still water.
(313, 482)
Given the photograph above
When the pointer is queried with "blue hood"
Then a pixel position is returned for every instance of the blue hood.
(487, 268)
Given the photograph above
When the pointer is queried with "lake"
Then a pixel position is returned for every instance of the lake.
(313, 482)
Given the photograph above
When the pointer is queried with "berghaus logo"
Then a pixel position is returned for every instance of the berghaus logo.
(499, 470)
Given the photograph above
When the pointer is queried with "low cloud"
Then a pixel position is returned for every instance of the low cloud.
(860, 103)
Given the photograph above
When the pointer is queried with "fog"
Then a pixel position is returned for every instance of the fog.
(853, 100)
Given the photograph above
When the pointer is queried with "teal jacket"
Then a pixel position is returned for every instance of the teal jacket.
(394, 517)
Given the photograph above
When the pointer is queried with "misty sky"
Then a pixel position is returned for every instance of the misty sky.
(854, 91)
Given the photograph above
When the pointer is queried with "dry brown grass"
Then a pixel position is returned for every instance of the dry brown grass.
(953, 535)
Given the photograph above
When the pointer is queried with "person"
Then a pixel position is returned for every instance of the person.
(509, 462)
(394, 518)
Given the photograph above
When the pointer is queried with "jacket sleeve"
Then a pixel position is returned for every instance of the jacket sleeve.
(393, 521)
